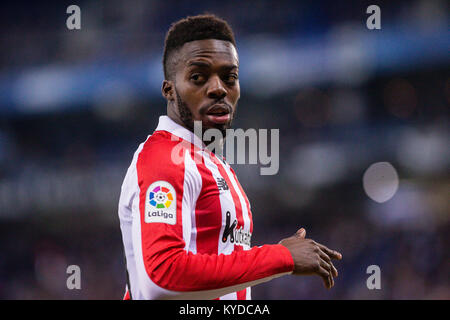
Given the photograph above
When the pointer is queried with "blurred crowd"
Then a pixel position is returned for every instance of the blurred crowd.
(61, 170)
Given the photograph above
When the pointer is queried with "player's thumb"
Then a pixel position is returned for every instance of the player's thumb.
(301, 233)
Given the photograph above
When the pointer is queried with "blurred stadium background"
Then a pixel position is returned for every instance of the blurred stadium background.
(74, 105)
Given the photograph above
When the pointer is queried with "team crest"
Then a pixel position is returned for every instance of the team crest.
(160, 203)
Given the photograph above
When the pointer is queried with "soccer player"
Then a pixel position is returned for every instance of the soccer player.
(186, 221)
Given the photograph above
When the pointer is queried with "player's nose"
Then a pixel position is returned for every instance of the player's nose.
(216, 89)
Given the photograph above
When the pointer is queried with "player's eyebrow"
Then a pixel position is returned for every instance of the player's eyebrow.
(198, 64)
(230, 67)
(204, 64)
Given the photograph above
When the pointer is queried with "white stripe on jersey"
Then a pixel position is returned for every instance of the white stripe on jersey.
(192, 175)
(245, 214)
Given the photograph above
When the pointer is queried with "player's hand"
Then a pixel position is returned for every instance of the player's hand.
(311, 257)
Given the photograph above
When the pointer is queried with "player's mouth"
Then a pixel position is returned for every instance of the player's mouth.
(218, 114)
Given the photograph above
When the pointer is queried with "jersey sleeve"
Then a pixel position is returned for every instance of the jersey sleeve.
(166, 195)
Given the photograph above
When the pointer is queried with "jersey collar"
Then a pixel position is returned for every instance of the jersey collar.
(167, 124)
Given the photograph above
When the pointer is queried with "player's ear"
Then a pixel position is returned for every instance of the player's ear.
(167, 90)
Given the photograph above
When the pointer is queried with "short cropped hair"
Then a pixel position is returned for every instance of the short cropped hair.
(200, 27)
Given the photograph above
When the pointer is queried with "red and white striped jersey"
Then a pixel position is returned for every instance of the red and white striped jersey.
(186, 223)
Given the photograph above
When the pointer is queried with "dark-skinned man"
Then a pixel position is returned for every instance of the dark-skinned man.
(186, 221)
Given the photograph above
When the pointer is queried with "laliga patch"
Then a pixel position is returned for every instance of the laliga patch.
(161, 203)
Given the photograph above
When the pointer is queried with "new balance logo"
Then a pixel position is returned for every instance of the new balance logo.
(222, 184)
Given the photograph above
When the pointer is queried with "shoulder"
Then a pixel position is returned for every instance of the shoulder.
(162, 155)
(158, 144)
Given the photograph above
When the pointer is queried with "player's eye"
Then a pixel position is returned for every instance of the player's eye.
(232, 78)
(197, 78)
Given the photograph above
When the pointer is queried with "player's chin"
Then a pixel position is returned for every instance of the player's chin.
(223, 127)
(214, 125)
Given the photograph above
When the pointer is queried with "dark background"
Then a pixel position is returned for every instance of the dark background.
(75, 104)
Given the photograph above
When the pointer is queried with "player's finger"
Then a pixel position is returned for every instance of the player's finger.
(325, 277)
(334, 270)
(325, 257)
(329, 267)
(301, 233)
(325, 265)
(331, 253)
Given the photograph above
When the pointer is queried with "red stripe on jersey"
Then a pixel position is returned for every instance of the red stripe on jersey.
(234, 195)
(241, 295)
(246, 200)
